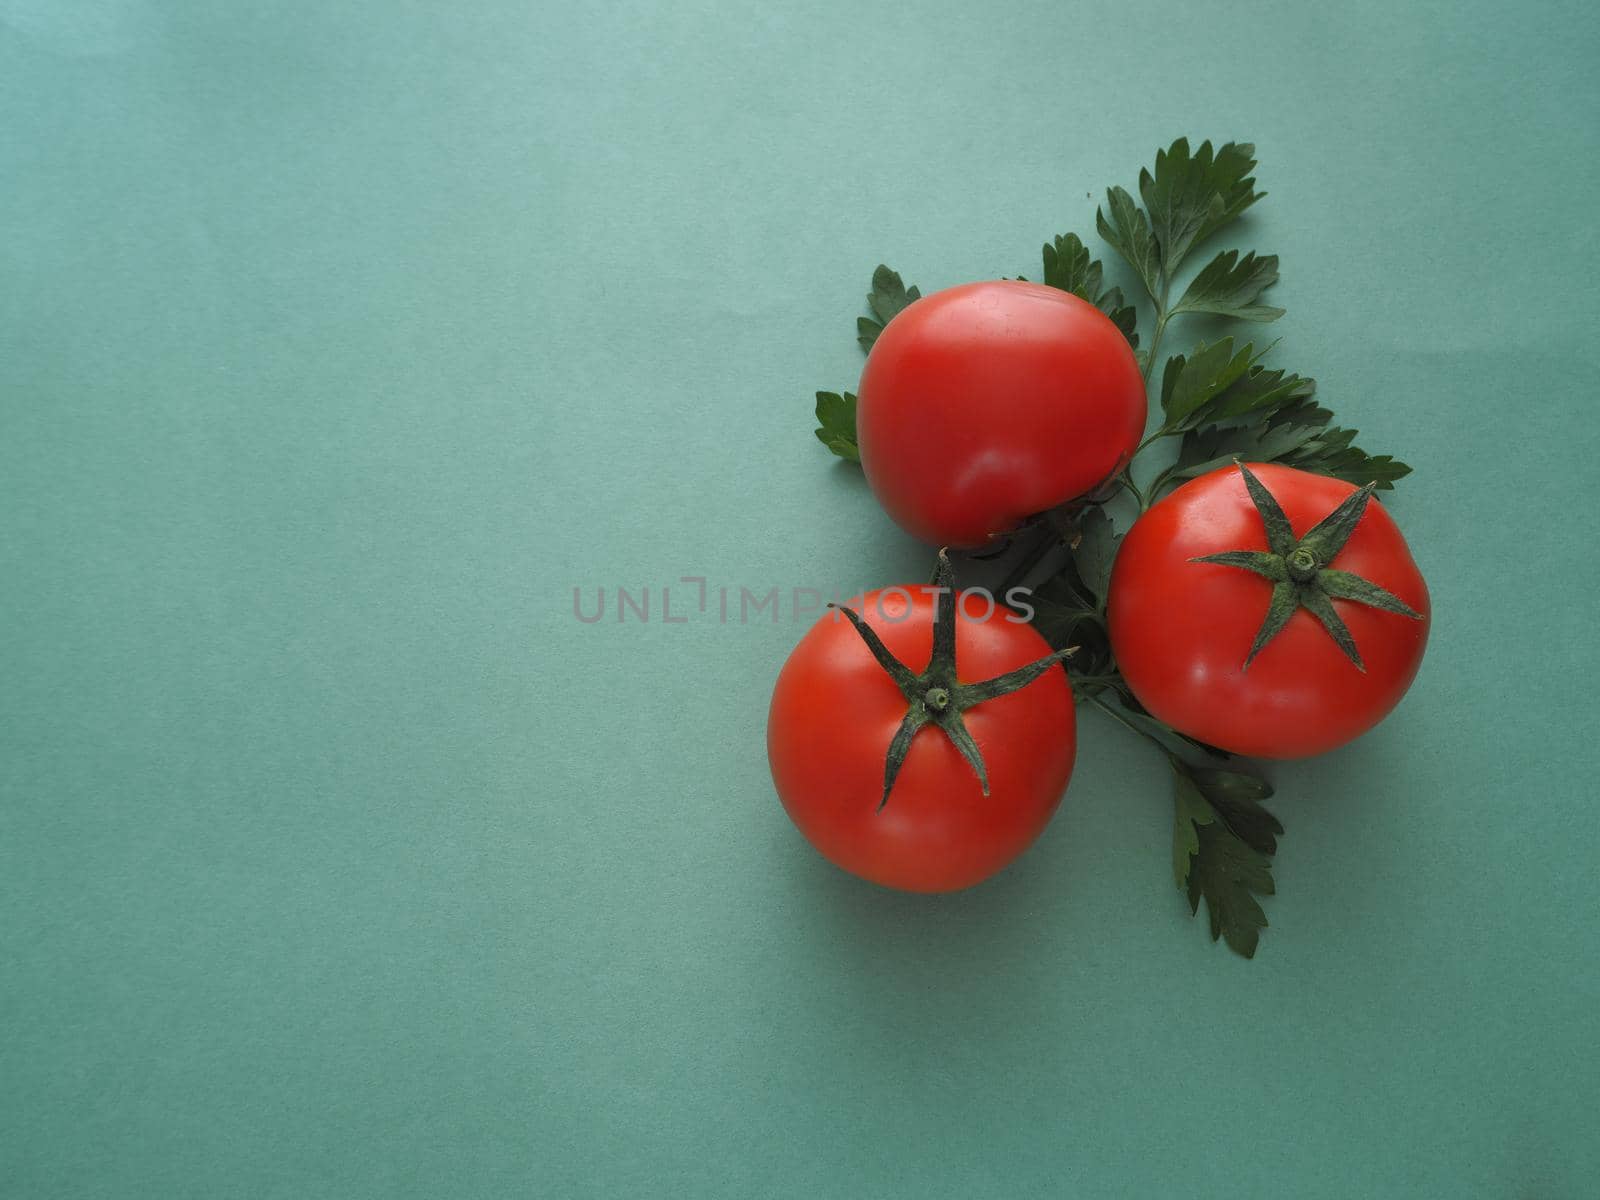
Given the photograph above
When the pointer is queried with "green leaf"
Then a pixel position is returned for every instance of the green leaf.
(1222, 847)
(1063, 622)
(1229, 286)
(1190, 382)
(1301, 409)
(1250, 823)
(836, 419)
(1189, 811)
(1094, 552)
(1131, 703)
(1209, 449)
(1258, 390)
(1124, 316)
(1068, 266)
(1128, 232)
(1317, 445)
(1330, 453)
(1229, 875)
(1230, 788)
(1191, 196)
(1270, 416)
(889, 296)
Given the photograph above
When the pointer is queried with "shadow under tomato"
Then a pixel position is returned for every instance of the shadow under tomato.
(955, 957)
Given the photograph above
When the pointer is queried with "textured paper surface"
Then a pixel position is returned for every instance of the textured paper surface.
(339, 341)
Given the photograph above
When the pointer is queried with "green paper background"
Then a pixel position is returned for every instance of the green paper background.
(341, 339)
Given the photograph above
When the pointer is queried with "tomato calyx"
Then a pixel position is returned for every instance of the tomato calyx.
(937, 696)
(1300, 571)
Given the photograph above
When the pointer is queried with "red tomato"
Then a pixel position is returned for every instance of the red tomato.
(835, 711)
(984, 404)
(1182, 630)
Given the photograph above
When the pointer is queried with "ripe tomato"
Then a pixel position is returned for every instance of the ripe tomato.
(836, 712)
(983, 404)
(1183, 630)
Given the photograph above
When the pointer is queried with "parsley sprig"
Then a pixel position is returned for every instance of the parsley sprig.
(1218, 402)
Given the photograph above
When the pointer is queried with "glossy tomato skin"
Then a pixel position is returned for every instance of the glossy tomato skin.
(983, 404)
(835, 710)
(1181, 630)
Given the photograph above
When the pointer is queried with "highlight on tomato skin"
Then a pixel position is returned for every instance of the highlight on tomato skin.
(1196, 640)
(835, 712)
(984, 404)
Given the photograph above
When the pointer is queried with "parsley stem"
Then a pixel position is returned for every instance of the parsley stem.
(1143, 498)
(1116, 715)
(1151, 440)
(1161, 327)
(1155, 344)
(1124, 717)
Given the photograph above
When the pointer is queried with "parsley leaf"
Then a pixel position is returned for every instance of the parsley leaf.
(1189, 811)
(1191, 382)
(1069, 604)
(836, 417)
(1296, 432)
(1229, 287)
(1237, 797)
(1094, 552)
(1212, 447)
(1128, 232)
(1222, 847)
(1191, 196)
(1067, 266)
(889, 295)
(1216, 384)
(1062, 621)
(1258, 390)
(1330, 453)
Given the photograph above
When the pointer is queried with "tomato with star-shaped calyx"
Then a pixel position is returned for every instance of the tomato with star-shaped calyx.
(926, 778)
(1268, 611)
